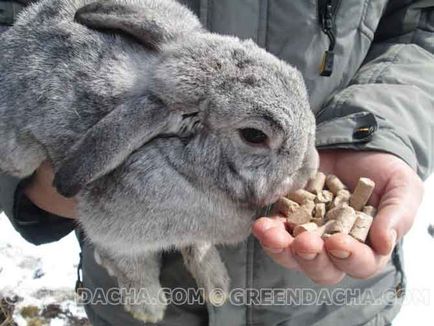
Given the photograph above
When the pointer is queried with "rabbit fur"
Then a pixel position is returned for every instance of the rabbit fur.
(170, 136)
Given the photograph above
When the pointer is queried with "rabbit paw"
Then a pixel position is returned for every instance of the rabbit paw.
(144, 299)
(189, 125)
(145, 304)
(66, 183)
(109, 266)
(216, 288)
(204, 263)
(146, 313)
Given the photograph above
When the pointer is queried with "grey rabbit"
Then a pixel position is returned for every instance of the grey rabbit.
(169, 135)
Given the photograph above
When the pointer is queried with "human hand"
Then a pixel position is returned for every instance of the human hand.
(398, 194)
(42, 193)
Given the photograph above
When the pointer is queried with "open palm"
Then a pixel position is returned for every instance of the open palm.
(397, 195)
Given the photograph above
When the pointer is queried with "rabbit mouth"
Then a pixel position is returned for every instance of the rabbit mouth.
(281, 190)
(291, 183)
(270, 199)
(274, 197)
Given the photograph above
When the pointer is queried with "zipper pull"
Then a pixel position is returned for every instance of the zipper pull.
(328, 60)
(325, 12)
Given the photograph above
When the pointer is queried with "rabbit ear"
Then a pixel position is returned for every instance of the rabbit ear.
(125, 19)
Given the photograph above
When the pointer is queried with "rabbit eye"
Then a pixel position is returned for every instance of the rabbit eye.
(253, 136)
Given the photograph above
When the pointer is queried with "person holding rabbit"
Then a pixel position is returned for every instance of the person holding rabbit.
(369, 86)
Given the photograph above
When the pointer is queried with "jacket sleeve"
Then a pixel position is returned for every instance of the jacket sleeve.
(389, 105)
(34, 224)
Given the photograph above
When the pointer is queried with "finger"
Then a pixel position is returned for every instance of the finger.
(41, 192)
(272, 233)
(46, 170)
(327, 161)
(310, 254)
(275, 240)
(397, 210)
(285, 257)
(354, 258)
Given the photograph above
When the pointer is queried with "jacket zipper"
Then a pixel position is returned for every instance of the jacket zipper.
(326, 12)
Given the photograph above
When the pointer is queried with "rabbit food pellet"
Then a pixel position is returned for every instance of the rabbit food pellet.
(316, 184)
(320, 210)
(285, 206)
(305, 227)
(344, 218)
(370, 210)
(334, 184)
(301, 196)
(325, 197)
(313, 227)
(300, 216)
(361, 227)
(326, 207)
(361, 194)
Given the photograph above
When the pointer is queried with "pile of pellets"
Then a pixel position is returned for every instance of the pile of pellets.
(326, 207)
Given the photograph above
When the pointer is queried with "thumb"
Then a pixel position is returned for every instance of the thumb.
(397, 209)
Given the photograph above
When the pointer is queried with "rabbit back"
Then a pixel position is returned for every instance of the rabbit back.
(58, 79)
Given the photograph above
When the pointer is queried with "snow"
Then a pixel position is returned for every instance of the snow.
(56, 263)
(419, 266)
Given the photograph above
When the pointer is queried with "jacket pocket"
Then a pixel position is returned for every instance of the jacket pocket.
(372, 12)
(361, 15)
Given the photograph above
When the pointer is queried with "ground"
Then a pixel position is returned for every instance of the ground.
(40, 279)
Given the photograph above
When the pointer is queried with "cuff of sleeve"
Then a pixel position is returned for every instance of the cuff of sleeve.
(364, 131)
(34, 224)
(8, 185)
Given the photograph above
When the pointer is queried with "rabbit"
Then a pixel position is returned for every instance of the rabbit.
(169, 136)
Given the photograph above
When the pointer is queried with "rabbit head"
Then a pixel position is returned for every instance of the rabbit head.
(253, 133)
(250, 128)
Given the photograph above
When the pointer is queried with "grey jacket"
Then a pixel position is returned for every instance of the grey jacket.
(380, 96)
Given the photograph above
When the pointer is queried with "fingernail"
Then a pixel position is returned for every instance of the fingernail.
(307, 255)
(342, 254)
